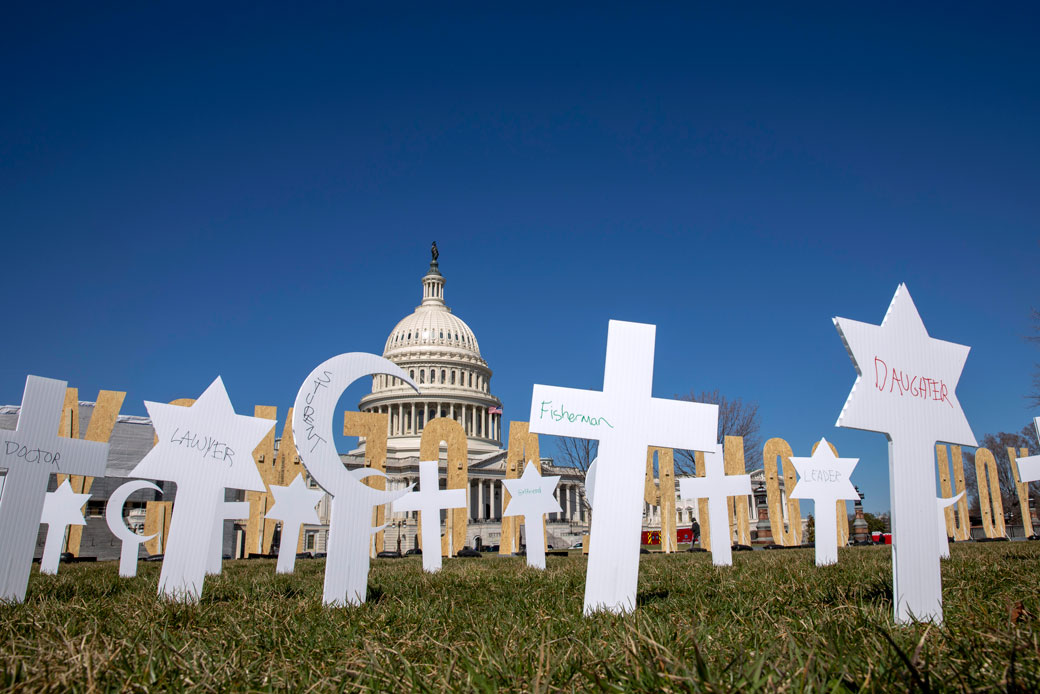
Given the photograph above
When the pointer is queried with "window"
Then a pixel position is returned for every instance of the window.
(453, 378)
(422, 375)
(442, 334)
(471, 379)
(308, 543)
(444, 376)
(409, 334)
(411, 374)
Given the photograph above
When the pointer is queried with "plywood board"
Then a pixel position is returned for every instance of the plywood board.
(662, 493)
(702, 504)
(449, 432)
(990, 501)
(373, 427)
(102, 422)
(257, 526)
(791, 535)
(955, 516)
(1022, 488)
(523, 448)
(739, 510)
(157, 525)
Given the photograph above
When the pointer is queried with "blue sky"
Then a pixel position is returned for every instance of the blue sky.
(246, 191)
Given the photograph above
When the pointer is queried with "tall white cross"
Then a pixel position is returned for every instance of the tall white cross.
(31, 454)
(62, 508)
(429, 500)
(625, 418)
(716, 486)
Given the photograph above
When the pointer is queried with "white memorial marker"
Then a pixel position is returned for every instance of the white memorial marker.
(716, 486)
(531, 496)
(61, 508)
(825, 478)
(430, 500)
(1029, 468)
(350, 520)
(131, 540)
(31, 454)
(625, 418)
(293, 506)
(942, 538)
(905, 389)
(226, 510)
(205, 449)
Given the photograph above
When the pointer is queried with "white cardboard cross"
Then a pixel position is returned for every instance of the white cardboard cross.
(31, 454)
(430, 500)
(825, 478)
(626, 419)
(204, 448)
(531, 496)
(905, 388)
(350, 518)
(131, 541)
(294, 505)
(716, 486)
(62, 508)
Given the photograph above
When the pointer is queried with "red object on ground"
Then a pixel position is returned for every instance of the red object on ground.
(888, 538)
(876, 536)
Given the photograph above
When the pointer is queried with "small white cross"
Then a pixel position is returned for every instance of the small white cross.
(31, 454)
(716, 486)
(429, 500)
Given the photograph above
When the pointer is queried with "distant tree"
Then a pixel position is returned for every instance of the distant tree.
(810, 529)
(875, 523)
(736, 418)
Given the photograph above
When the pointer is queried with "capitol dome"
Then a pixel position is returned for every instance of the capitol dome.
(441, 355)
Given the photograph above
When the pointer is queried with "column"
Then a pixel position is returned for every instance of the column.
(412, 429)
(451, 411)
(480, 499)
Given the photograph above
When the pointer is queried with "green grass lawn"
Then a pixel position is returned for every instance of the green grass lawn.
(773, 621)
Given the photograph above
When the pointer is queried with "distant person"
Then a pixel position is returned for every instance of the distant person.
(696, 530)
